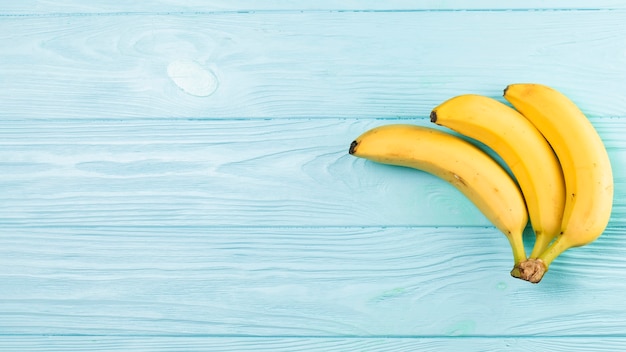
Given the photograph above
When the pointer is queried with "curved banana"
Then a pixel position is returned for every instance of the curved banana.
(522, 147)
(586, 168)
(465, 166)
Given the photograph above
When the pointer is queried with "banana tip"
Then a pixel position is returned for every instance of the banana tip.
(433, 116)
(353, 145)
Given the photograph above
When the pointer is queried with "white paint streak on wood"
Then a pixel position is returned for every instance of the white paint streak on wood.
(192, 77)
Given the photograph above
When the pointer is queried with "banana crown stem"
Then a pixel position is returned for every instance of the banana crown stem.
(532, 270)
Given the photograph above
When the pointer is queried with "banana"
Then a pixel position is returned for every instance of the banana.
(586, 168)
(473, 172)
(522, 147)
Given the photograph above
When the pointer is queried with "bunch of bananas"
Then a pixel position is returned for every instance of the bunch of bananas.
(561, 174)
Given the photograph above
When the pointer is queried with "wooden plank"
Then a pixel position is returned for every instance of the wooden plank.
(308, 65)
(196, 344)
(227, 173)
(299, 282)
(34, 7)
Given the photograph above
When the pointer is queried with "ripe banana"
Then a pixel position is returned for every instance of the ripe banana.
(522, 147)
(465, 166)
(586, 168)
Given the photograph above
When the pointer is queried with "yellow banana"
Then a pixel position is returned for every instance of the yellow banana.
(586, 168)
(522, 147)
(465, 166)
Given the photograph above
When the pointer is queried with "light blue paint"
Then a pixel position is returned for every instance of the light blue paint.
(175, 177)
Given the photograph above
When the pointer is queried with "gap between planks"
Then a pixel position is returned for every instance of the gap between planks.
(290, 11)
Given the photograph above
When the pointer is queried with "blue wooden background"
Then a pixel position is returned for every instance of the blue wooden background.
(174, 176)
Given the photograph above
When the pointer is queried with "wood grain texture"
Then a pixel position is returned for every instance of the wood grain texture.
(298, 282)
(311, 64)
(61, 7)
(226, 173)
(196, 344)
(174, 177)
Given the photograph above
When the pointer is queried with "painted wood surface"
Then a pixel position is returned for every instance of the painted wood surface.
(290, 281)
(195, 344)
(174, 177)
(64, 7)
(303, 65)
(274, 172)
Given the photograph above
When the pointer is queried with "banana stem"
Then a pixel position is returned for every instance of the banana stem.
(542, 242)
(534, 269)
(516, 241)
(559, 246)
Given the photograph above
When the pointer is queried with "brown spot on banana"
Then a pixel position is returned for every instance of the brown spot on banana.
(460, 179)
